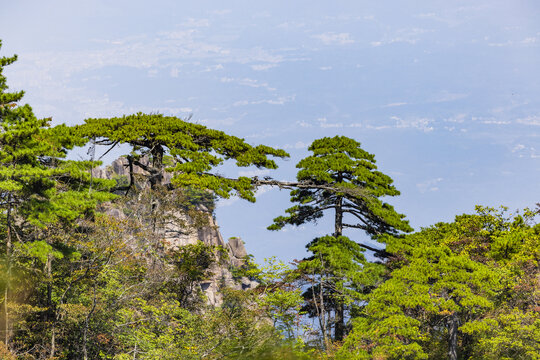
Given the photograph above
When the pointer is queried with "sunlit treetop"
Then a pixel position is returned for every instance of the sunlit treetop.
(35, 179)
(195, 149)
(340, 175)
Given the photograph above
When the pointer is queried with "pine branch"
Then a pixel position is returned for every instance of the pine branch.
(304, 185)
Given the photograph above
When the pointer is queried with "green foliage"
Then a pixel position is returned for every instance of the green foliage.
(79, 284)
(452, 274)
(38, 189)
(161, 330)
(165, 330)
(344, 178)
(335, 278)
(192, 263)
(43, 187)
(40, 250)
(507, 334)
(277, 295)
(200, 197)
(340, 257)
(191, 151)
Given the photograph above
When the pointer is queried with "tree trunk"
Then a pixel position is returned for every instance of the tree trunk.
(338, 223)
(51, 313)
(453, 324)
(6, 319)
(86, 325)
(53, 339)
(322, 316)
(8, 273)
(339, 332)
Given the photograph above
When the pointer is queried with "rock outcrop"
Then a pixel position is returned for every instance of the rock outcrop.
(180, 230)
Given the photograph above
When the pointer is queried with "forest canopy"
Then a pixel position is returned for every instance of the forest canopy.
(88, 271)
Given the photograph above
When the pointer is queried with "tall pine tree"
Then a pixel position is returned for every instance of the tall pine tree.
(194, 151)
(341, 177)
(37, 187)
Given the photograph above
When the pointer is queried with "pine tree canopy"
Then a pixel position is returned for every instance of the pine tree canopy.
(473, 279)
(344, 178)
(342, 263)
(196, 150)
(33, 176)
(341, 176)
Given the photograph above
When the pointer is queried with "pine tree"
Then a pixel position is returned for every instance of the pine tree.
(461, 290)
(335, 278)
(193, 150)
(342, 177)
(37, 187)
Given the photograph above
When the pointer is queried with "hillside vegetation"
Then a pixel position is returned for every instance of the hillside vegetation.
(94, 266)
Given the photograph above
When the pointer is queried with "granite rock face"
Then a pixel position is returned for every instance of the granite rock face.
(222, 275)
(119, 168)
(179, 230)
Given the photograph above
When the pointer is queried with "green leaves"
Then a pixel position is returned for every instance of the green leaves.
(43, 187)
(40, 250)
(455, 272)
(350, 179)
(276, 296)
(193, 150)
(80, 282)
(38, 189)
(510, 334)
(342, 177)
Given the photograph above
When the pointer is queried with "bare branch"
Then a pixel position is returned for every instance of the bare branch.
(306, 185)
(106, 152)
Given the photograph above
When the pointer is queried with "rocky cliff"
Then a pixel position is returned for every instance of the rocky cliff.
(178, 226)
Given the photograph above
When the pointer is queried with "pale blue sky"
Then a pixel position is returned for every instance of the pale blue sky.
(446, 94)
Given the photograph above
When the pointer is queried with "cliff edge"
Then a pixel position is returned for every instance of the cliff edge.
(177, 220)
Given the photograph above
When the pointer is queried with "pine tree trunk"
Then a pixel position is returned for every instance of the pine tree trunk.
(338, 223)
(322, 316)
(453, 325)
(339, 332)
(51, 316)
(8, 273)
